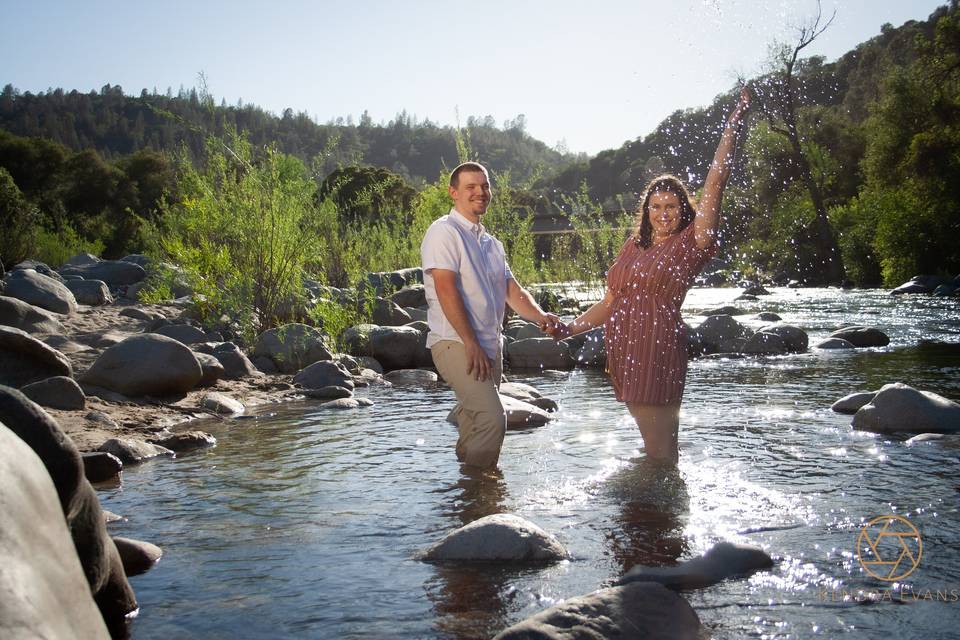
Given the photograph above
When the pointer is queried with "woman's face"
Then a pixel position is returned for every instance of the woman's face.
(664, 211)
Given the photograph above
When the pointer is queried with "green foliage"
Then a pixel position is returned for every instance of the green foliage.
(335, 318)
(19, 220)
(243, 234)
(58, 246)
(366, 193)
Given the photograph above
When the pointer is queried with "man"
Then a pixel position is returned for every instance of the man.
(467, 282)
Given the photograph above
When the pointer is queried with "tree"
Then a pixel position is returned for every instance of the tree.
(780, 96)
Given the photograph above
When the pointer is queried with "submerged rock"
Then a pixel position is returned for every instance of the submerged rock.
(185, 441)
(99, 466)
(131, 451)
(412, 377)
(523, 415)
(221, 404)
(835, 343)
(723, 560)
(900, 408)
(502, 537)
(137, 556)
(637, 611)
(862, 336)
(851, 404)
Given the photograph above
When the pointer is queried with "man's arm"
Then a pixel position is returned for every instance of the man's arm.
(445, 284)
(523, 303)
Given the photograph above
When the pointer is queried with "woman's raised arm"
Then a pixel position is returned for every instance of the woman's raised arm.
(708, 216)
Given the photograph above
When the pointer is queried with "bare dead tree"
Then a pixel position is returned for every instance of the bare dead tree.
(779, 97)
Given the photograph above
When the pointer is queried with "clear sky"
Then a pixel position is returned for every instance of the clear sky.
(589, 73)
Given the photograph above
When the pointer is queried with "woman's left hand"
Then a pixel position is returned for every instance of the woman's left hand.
(743, 105)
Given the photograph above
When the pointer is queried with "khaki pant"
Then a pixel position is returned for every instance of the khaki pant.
(479, 413)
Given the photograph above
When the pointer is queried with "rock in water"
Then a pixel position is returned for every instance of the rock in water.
(637, 611)
(901, 408)
(724, 560)
(851, 404)
(501, 537)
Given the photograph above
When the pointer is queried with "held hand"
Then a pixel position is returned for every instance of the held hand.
(478, 363)
(559, 331)
(548, 322)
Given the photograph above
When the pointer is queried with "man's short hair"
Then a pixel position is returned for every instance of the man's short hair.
(466, 166)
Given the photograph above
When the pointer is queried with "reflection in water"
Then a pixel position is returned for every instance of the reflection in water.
(307, 523)
(648, 530)
(469, 599)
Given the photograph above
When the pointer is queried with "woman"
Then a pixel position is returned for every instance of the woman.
(644, 333)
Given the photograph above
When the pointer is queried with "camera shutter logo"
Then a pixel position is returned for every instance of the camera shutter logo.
(889, 548)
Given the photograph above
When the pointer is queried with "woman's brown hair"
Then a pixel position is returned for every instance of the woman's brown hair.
(643, 233)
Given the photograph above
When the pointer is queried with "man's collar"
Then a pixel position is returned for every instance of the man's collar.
(476, 228)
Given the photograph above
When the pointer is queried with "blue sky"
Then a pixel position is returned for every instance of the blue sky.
(589, 74)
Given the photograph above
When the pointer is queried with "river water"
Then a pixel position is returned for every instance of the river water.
(304, 523)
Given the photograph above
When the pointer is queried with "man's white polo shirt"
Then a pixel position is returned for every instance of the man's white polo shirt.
(454, 243)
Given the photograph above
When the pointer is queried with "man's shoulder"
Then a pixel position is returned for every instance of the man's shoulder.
(442, 227)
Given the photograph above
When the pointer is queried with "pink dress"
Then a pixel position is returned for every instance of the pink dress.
(645, 337)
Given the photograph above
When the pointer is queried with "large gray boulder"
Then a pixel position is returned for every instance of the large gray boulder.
(325, 373)
(58, 392)
(795, 338)
(43, 590)
(356, 340)
(387, 313)
(636, 611)
(40, 291)
(412, 378)
(146, 364)
(723, 560)
(900, 408)
(79, 506)
(764, 344)
(92, 292)
(540, 353)
(414, 295)
(862, 336)
(523, 414)
(185, 333)
(292, 347)
(24, 359)
(235, 363)
(114, 272)
(81, 259)
(211, 368)
(395, 347)
(133, 451)
(720, 334)
(502, 537)
(21, 315)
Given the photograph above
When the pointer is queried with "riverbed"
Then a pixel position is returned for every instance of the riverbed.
(304, 523)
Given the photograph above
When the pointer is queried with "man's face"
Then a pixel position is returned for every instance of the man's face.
(471, 196)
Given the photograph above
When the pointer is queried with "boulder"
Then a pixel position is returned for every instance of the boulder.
(24, 316)
(328, 393)
(412, 378)
(185, 333)
(146, 364)
(768, 316)
(58, 392)
(45, 591)
(325, 373)
(99, 466)
(387, 313)
(210, 367)
(723, 560)
(501, 537)
(131, 451)
(720, 334)
(862, 336)
(852, 403)
(81, 259)
(593, 353)
(523, 415)
(395, 347)
(137, 258)
(137, 556)
(292, 347)
(185, 441)
(416, 315)
(114, 272)
(636, 611)
(24, 359)
(235, 363)
(795, 338)
(724, 311)
(414, 295)
(393, 280)
(913, 286)
(756, 290)
(221, 404)
(95, 293)
(923, 437)
(834, 343)
(342, 403)
(529, 330)
(766, 344)
(540, 353)
(79, 506)
(40, 291)
(356, 339)
(901, 408)
(142, 314)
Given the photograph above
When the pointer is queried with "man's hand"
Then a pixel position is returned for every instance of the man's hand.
(548, 322)
(558, 331)
(478, 363)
